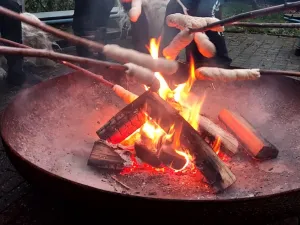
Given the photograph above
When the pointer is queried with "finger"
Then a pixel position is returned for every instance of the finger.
(204, 45)
(136, 10)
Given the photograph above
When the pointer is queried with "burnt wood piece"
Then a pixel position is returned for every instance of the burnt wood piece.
(147, 154)
(217, 174)
(207, 128)
(169, 157)
(250, 139)
(125, 122)
(103, 156)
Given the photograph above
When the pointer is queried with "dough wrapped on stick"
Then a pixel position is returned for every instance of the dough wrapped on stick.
(181, 40)
(142, 75)
(181, 21)
(124, 55)
(204, 45)
(136, 10)
(219, 74)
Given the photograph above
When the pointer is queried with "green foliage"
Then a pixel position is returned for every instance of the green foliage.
(233, 8)
(49, 5)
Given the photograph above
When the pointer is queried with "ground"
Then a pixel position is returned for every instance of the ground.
(20, 203)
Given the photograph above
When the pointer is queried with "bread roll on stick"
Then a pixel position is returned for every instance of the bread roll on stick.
(181, 40)
(204, 45)
(136, 10)
(219, 74)
(119, 54)
(124, 94)
(140, 74)
(181, 21)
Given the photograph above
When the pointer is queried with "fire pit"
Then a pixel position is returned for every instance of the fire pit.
(49, 131)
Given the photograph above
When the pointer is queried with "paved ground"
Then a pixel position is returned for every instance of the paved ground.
(21, 204)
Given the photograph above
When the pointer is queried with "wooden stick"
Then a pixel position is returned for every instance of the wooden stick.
(266, 25)
(59, 56)
(279, 73)
(119, 182)
(38, 24)
(250, 139)
(112, 51)
(207, 128)
(70, 65)
(248, 15)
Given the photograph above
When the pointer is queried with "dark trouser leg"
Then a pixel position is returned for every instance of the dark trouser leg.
(102, 21)
(90, 20)
(82, 25)
(139, 29)
(11, 29)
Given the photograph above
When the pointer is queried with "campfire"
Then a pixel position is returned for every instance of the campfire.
(164, 132)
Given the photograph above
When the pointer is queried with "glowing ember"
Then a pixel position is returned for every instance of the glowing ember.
(179, 99)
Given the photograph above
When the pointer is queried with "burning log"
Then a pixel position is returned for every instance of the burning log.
(247, 15)
(217, 174)
(207, 128)
(103, 156)
(169, 157)
(251, 140)
(147, 153)
(125, 122)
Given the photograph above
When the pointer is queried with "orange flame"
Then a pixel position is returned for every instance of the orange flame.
(190, 111)
(217, 145)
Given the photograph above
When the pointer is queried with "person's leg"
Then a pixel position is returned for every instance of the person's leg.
(101, 21)
(210, 8)
(12, 30)
(82, 24)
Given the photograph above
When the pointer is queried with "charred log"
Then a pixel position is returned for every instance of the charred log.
(251, 140)
(169, 157)
(125, 122)
(104, 156)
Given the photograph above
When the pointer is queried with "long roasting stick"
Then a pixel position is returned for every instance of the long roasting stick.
(70, 65)
(124, 94)
(248, 15)
(266, 25)
(112, 51)
(59, 56)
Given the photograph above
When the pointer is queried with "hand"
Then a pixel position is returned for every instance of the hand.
(136, 9)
